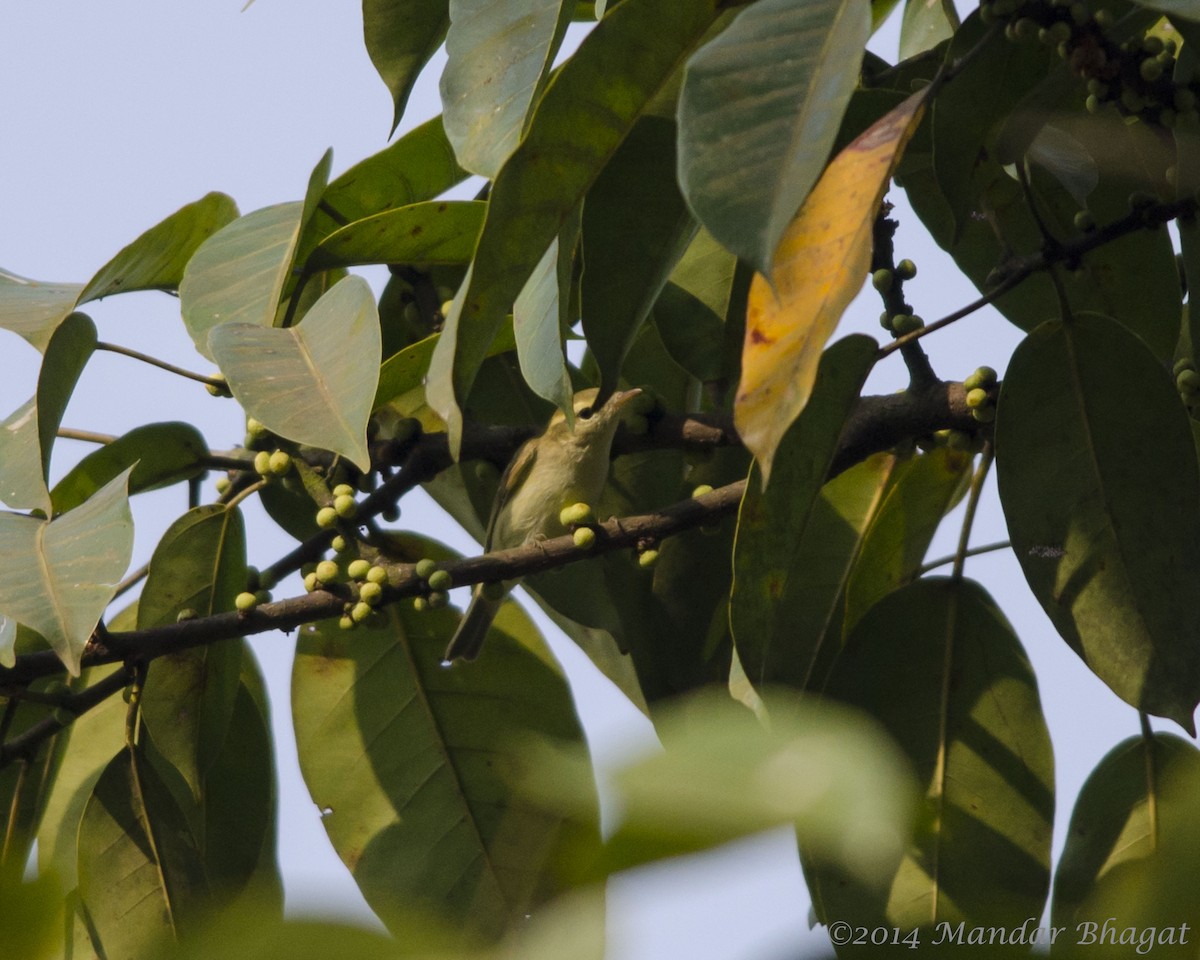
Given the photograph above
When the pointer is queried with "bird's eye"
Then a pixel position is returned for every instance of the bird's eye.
(585, 413)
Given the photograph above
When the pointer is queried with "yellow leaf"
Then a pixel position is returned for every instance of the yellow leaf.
(818, 268)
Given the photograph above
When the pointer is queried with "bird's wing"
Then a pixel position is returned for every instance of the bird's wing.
(517, 470)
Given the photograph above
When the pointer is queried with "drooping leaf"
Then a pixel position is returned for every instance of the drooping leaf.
(62, 573)
(315, 382)
(33, 309)
(240, 803)
(636, 226)
(780, 529)
(1109, 539)
(1132, 842)
(900, 533)
(83, 750)
(926, 23)
(938, 665)
(160, 454)
(819, 767)
(691, 332)
(426, 233)
(410, 761)
(539, 319)
(27, 436)
(690, 313)
(585, 113)
(819, 266)
(140, 873)
(156, 259)
(189, 696)
(401, 36)
(774, 84)
(23, 784)
(499, 55)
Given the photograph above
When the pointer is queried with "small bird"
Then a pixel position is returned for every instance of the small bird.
(559, 467)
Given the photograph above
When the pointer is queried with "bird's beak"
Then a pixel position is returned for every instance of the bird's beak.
(622, 397)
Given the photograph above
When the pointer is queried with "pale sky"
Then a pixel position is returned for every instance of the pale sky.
(117, 114)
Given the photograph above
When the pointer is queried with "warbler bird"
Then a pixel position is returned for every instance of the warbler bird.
(559, 467)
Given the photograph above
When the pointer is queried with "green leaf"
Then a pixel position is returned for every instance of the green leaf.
(315, 382)
(426, 233)
(690, 312)
(8, 641)
(240, 802)
(1188, 9)
(1133, 840)
(1109, 539)
(33, 309)
(160, 453)
(540, 315)
(706, 271)
(405, 369)
(247, 935)
(966, 115)
(900, 533)
(417, 167)
(82, 751)
(775, 84)
(499, 55)
(880, 11)
(692, 333)
(23, 784)
(140, 873)
(782, 529)
(926, 23)
(410, 761)
(977, 212)
(238, 274)
(31, 918)
(401, 36)
(823, 769)
(62, 573)
(587, 110)
(156, 260)
(636, 226)
(27, 436)
(189, 696)
(938, 665)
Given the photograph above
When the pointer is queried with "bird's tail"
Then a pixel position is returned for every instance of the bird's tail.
(474, 626)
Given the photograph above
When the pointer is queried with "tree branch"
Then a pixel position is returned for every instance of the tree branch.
(1017, 269)
(878, 423)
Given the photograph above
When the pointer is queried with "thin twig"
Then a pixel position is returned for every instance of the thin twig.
(132, 580)
(1016, 270)
(87, 436)
(964, 536)
(161, 364)
(973, 552)
(1151, 778)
